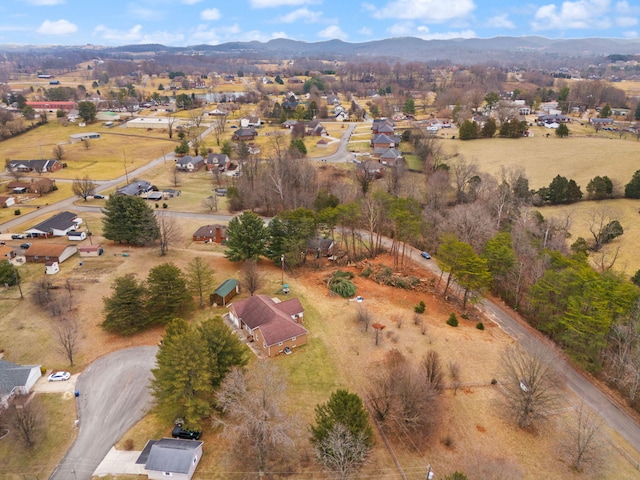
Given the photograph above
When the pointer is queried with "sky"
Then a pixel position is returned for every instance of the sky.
(193, 22)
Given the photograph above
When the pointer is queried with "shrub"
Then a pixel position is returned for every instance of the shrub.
(340, 283)
(465, 316)
(164, 205)
(128, 444)
(43, 370)
(480, 326)
(420, 308)
(366, 272)
(452, 320)
(157, 205)
(16, 211)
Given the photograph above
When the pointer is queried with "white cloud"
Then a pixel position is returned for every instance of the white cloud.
(191, 2)
(365, 31)
(279, 3)
(142, 13)
(402, 29)
(333, 32)
(409, 29)
(229, 33)
(429, 11)
(210, 14)
(136, 35)
(60, 27)
(501, 21)
(630, 34)
(45, 3)
(578, 14)
(300, 15)
(626, 21)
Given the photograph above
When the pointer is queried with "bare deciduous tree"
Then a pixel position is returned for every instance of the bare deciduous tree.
(58, 152)
(67, 334)
(171, 120)
(454, 373)
(211, 203)
(341, 452)
(250, 403)
(527, 384)
(364, 316)
(251, 276)
(169, 232)
(432, 369)
(199, 277)
(83, 187)
(583, 442)
(28, 422)
(219, 123)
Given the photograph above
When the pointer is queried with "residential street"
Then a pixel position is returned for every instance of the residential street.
(114, 395)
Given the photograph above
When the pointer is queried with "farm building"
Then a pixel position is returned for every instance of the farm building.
(48, 252)
(51, 268)
(225, 292)
(211, 233)
(7, 201)
(52, 106)
(272, 325)
(90, 250)
(80, 137)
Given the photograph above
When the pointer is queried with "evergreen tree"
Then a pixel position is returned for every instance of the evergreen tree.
(468, 130)
(558, 190)
(129, 219)
(8, 273)
(632, 189)
(124, 309)
(168, 296)
(223, 349)
(344, 408)
(489, 128)
(87, 111)
(599, 188)
(573, 192)
(246, 237)
(181, 384)
(199, 278)
(605, 112)
(562, 130)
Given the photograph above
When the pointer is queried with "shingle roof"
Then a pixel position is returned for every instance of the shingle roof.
(226, 287)
(210, 230)
(47, 249)
(171, 455)
(61, 221)
(12, 376)
(273, 319)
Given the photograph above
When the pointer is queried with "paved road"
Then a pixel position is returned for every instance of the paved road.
(114, 395)
(592, 396)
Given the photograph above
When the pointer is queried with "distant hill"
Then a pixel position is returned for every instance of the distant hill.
(465, 51)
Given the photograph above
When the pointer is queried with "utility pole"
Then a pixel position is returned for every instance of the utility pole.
(429, 473)
(282, 262)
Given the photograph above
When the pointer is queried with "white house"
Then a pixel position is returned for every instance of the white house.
(51, 267)
(170, 458)
(16, 380)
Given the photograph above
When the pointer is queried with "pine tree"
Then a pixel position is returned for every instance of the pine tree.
(199, 277)
(124, 309)
(168, 296)
(223, 349)
(129, 219)
(246, 237)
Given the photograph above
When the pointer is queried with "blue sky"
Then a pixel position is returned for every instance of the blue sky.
(192, 22)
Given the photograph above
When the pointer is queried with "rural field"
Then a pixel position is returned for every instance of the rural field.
(473, 433)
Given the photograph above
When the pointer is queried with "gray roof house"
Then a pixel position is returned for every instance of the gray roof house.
(57, 226)
(220, 161)
(16, 380)
(189, 163)
(40, 166)
(135, 188)
(170, 457)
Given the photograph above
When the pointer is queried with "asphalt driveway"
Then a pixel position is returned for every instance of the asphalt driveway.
(114, 395)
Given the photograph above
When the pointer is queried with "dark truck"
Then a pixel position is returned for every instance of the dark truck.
(179, 432)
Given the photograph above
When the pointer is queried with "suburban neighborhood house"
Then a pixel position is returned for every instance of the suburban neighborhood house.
(16, 380)
(189, 163)
(57, 226)
(49, 252)
(272, 325)
(135, 188)
(211, 234)
(38, 186)
(39, 166)
(170, 457)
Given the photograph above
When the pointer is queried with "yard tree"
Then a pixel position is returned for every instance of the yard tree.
(125, 309)
(181, 385)
(200, 278)
(452, 255)
(562, 130)
(491, 98)
(599, 188)
(409, 106)
(347, 409)
(129, 219)
(251, 416)
(246, 237)
(632, 189)
(468, 130)
(489, 128)
(501, 258)
(473, 275)
(223, 349)
(528, 385)
(251, 276)
(605, 112)
(28, 421)
(168, 296)
(341, 452)
(289, 234)
(87, 111)
(8, 273)
(168, 232)
(67, 334)
(83, 187)
(583, 442)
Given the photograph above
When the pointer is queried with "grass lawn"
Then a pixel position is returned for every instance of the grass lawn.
(578, 157)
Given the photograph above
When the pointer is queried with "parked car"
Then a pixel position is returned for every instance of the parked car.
(179, 432)
(425, 255)
(17, 236)
(25, 246)
(97, 196)
(59, 376)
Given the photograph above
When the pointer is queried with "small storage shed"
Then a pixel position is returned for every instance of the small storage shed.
(77, 236)
(225, 292)
(90, 250)
(51, 268)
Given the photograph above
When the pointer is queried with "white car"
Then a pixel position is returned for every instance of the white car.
(59, 376)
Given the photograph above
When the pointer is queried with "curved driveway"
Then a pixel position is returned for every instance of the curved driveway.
(114, 395)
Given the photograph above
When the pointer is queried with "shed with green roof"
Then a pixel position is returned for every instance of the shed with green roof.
(225, 292)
